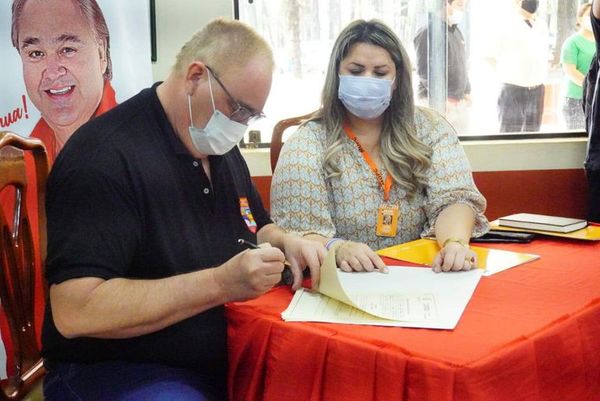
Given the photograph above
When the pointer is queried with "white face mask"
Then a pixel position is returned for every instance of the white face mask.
(587, 23)
(456, 17)
(221, 133)
(365, 97)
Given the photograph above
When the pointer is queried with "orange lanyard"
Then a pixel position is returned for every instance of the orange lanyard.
(387, 186)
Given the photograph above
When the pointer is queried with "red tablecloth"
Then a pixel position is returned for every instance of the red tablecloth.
(530, 333)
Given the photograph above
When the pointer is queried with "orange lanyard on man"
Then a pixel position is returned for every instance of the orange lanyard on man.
(387, 186)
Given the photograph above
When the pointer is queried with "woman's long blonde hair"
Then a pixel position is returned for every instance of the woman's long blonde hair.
(404, 156)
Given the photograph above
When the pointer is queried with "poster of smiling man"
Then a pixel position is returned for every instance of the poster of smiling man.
(65, 62)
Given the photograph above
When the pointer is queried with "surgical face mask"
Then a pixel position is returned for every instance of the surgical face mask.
(587, 23)
(220, 135)
(530, 6)
(456, 17)
(365, 97)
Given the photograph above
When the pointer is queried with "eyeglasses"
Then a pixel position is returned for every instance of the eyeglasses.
(242, 114)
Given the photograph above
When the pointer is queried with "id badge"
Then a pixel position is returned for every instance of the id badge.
(387, 221)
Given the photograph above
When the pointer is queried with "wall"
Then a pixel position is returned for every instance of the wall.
(175, 25)
(538, 176)
(552, 192)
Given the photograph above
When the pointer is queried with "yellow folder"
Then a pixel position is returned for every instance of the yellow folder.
(423, 251)
(589, 233)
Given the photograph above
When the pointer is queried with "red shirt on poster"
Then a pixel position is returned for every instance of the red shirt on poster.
(43, 132)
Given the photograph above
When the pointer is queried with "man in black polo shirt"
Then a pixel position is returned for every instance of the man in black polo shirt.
(592, 161)
(145, 205)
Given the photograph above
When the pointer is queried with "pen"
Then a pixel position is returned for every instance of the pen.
(287, 278)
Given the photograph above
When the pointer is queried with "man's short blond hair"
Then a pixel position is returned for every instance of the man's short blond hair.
(224, 45)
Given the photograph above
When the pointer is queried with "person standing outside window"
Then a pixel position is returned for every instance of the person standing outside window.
(458, 86)
(576, 56)
(519, 51)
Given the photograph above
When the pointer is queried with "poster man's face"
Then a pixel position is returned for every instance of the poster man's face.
(63, 63)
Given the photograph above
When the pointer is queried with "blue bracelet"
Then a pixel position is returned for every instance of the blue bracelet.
(332, 241)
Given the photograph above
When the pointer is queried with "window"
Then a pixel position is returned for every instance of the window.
(302, 33)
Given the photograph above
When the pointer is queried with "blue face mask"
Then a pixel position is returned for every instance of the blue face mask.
(365, 97)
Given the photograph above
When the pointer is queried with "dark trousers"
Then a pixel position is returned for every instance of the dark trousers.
(520, 108)
(124, 381)
(573, 113)
(593, 179)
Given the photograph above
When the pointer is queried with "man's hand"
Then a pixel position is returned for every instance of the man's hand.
(250, 274)
(301, 252)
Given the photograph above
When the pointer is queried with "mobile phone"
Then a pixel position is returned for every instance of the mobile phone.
(505, 236)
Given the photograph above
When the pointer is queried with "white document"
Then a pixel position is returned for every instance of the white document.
(406, 297)
(308, 306)
(3, 374)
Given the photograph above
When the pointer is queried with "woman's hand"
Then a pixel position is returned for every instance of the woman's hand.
(356, 256)
(454, 256)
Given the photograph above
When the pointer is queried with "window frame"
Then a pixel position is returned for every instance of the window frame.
(509, 136)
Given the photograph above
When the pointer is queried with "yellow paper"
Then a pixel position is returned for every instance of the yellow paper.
(589, 233)
(329, 283)
(423, 251)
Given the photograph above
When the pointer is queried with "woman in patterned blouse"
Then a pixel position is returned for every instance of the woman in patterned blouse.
(370, 170)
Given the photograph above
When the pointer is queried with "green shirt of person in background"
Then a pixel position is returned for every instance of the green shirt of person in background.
(579, 51)
(576, 57)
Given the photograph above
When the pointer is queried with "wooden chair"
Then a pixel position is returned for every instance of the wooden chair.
(18, 262)
(277, 137)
